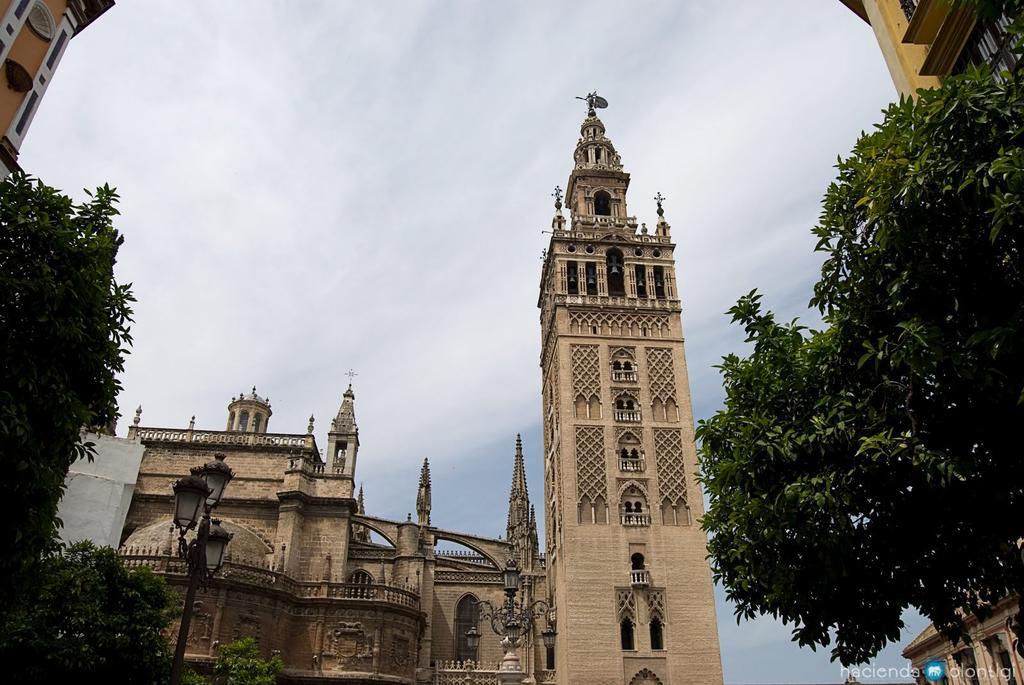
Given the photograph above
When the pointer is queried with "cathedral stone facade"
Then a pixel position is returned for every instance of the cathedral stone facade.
(347, 597)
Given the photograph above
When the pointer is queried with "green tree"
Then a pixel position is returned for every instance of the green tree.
(89, 619)
(240, 663)
(875, 464)
(63, 338)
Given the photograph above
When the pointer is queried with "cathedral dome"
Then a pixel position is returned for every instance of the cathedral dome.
(159, 538)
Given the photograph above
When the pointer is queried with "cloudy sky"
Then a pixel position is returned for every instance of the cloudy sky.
(312, 187)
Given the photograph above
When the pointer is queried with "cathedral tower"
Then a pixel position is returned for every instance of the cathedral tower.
(625, 556)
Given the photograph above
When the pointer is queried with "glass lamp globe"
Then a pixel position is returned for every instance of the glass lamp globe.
(190, 493)
(511, 576)
(217, 475)
(216, 546)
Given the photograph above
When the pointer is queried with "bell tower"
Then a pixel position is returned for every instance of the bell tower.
(625, 557)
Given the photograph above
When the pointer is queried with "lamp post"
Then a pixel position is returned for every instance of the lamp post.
(511, 621)
(195, 496)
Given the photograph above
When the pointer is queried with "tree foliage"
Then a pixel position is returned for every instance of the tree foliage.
(875, 464)
(240, 663)
(89, 619)
(63, 338)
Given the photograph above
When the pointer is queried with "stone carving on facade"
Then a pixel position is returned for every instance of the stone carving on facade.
(656, 605)
(347, 647)
(645, 677)
(400, 652)
(625, 602)
(591, 480)
(202, 625)
(668, 452)
(247, 625)
(586, 373)
(618, 324)
(662, 376)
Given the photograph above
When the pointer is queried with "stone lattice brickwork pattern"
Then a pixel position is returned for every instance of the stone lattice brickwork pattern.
(661, 374)
(668, 451)
(621, 324)
(586, 374)
(591, 480)
(656, 605)
(625, 602)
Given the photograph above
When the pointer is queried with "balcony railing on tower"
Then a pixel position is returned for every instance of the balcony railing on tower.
(640, 577)
(636, 519)
(627, 415)
(632, 464)
(624, 375)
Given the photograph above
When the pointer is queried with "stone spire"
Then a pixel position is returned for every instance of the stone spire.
(361, 533)
(345, 421)
(521, 525)
(343, 439)
(423, 495)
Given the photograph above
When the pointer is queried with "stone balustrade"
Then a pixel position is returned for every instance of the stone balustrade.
(465, 673)
(627, 416)
(260, 573)
(622, 375)
(636, 520)
(640, 577)
(632, 465)
(222, 437)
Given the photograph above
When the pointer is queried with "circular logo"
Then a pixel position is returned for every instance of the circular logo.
(934, 671)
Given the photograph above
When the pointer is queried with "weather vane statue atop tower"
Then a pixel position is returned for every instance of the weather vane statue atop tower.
(594, 101)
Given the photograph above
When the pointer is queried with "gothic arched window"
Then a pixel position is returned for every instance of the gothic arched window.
(626, 634)
(360, 577)
(467, 615)
(657, 634)
(602, 203)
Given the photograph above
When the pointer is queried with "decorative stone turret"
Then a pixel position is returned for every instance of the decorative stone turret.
(249, 413)
(662, 229)
(343, 438)
(423, 495)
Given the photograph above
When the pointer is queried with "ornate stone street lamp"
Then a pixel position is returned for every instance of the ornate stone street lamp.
(511, 622)
(199, 492)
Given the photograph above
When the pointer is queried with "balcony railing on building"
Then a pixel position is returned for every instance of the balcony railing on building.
(623, 375)
(627, 416)
(464, 673)
(640, 577)
(636, 519)
(631, 464)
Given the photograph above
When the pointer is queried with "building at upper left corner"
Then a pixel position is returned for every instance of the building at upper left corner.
(33, 37)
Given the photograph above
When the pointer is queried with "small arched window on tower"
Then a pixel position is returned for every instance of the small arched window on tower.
(616, 273)
(572, 278)
(636, 561)
(256, 420)
(602, 203)
(591, 271)
(243, 421)
(597, 155)
(659, 282)
(641, 280)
